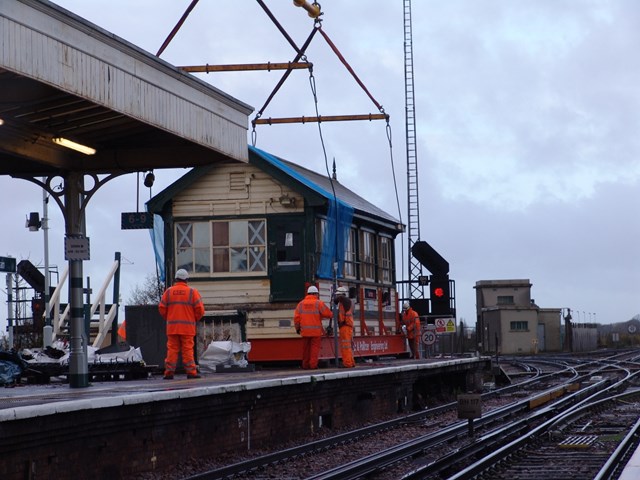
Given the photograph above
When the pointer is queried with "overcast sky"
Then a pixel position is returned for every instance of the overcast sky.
(527, 116)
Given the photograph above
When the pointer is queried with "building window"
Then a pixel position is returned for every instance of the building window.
(321, 255)
(367, 256)
(505, 300)
(239, 246)
(351, 255)
(235, 246)
(193, 246)
(385, 260)
(520, 326)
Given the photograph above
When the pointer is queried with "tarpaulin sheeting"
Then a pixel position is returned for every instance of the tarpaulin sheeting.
(224, 353)
(11, 367)
(339, 217)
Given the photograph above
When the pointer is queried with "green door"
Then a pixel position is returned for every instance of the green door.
(286, 258)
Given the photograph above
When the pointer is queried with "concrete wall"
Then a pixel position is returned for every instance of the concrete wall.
(488, 291)
(519, 341)
(551, 318)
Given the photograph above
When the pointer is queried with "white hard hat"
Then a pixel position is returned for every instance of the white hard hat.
(312, 289)
(406, 306)
(342, 291)
(182, 274)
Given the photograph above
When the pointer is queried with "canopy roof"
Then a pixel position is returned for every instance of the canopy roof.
(62, 76)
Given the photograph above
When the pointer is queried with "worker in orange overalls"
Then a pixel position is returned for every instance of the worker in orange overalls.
(411, 328)
(307, 318)
(345, 325)
(181, 306)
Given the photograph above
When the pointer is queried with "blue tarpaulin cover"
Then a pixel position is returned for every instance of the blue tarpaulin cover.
(11, 367)
(339, 219)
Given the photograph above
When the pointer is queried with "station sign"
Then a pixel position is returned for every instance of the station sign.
(136, 220)
(76, 248)
(8, 264)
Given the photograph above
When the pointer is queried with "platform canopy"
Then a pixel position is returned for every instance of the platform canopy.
(63, 77)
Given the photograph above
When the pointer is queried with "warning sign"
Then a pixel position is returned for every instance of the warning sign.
(451, 326)
(445, 325)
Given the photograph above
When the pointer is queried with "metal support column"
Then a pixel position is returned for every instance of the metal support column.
(10, 317)
(47, 332)
(74, 227)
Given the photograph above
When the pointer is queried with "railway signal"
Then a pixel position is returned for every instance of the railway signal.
(440, 295)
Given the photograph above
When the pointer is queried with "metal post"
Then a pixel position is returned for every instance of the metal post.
(47, 333)
(116, 301)
(9, 309)
(86, 309)
(334, 306)
(78, 363)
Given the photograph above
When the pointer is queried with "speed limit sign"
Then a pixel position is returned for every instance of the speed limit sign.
(428, 337)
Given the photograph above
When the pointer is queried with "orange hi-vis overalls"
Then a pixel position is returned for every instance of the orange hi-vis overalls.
(307, 318)
(181, 306)
(345, 326)
(411, 320)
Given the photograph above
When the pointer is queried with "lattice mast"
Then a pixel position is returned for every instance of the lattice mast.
(413, 204)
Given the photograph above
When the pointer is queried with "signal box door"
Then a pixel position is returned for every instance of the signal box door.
(286, 258)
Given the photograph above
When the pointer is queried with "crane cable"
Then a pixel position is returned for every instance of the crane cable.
(314, 93)
(326, 161)
(317, 27)
(395, 186)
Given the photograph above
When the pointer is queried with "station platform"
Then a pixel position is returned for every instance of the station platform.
(118, 429)
(631, 470)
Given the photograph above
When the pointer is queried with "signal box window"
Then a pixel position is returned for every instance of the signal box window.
(193, 244)
(246, 247)
(351, 256)
(520, 326)
(321, 228)
(367, 256)
(237, 246)
(385, 259)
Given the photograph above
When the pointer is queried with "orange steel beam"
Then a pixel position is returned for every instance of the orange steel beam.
(312, 9)
(247, 66)
(321, 118)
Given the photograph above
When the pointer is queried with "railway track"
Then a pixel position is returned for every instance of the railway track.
(589, 439)
(589, 442)
(432, 444)
(433, 427)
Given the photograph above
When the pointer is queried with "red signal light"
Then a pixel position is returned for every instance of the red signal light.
(438, 292)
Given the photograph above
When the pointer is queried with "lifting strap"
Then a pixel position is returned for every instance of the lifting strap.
(177, 27)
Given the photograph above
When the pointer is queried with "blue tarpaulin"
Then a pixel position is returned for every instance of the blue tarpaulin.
(339, 217)
(157, 240)
(11, 367)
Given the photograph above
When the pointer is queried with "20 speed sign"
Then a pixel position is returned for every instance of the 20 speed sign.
(429, 337)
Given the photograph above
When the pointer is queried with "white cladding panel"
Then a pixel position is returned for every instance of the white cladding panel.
(234, 189)
(43, 42)
(237, 292)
